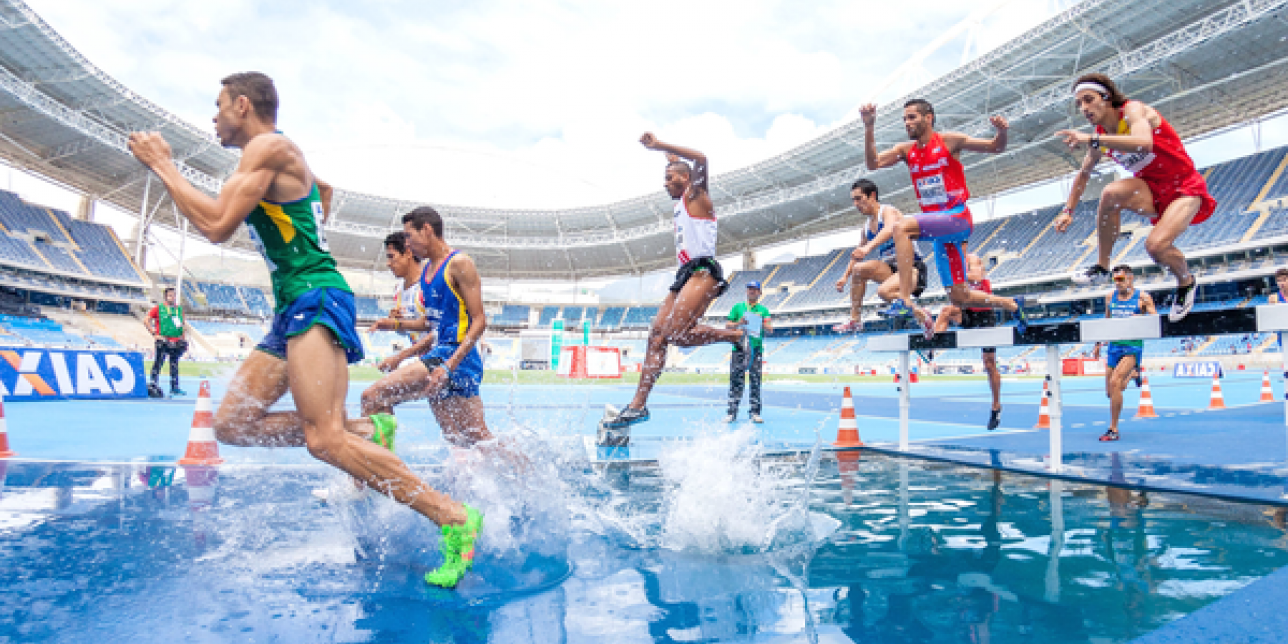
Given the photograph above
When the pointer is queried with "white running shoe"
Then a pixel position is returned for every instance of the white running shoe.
(755, 418)
(729, 418)
(1094, 275)
(1183, 300)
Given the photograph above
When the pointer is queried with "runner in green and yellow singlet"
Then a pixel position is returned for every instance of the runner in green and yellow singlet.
(313, 333)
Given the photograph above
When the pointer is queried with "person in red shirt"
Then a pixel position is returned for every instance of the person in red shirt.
(1165, 186)
(978, 317)
(165, 323)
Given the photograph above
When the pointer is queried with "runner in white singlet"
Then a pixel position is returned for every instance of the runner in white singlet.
(698, 282)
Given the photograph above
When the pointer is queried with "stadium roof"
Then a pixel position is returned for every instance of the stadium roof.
(1207, 64)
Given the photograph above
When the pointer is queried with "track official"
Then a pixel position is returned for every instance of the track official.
(754, 318)
(165, 322)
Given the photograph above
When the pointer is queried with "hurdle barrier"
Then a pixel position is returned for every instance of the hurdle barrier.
(1260, 319)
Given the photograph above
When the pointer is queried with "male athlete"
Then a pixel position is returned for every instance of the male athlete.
(1125, 356)
(698, 282)
(408, 305)
(313, 332)
(450, 370)
(978, 317)
(940, 184)
(878, 235)
(1165, 186)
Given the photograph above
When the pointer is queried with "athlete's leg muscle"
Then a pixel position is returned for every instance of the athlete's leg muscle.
(994, 377)
(319, 380)
(406, 383)
(1118, 382)
(462, 419)
(907, 230)
(1161, 241)
(1124, 194)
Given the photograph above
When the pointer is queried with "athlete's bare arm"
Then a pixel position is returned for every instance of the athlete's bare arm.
(1147, 303)
(464, 277)
(957, 141)
(418, 348)
(270, 167)
(1108, 301)
(877, 160)
(700, 205)
(1079, 186)
(1141, 121)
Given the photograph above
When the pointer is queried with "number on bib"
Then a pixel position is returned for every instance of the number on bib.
(319, 216)
(930, 190)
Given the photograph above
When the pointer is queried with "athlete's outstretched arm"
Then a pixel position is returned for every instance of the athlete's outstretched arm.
(1108, 299)
(216, 219)
(957, 141)
(1140, 137)
(876, 160)
(890, 218)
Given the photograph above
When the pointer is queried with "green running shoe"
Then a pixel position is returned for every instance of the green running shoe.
(458, 550)
(385, 428)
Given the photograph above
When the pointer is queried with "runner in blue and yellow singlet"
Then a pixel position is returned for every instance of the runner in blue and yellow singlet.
(313, 333)
(1126, 357)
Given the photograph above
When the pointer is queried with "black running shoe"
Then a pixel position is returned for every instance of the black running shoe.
(1183, 300)
(626, 418)
(994, 419)
(1097, 274)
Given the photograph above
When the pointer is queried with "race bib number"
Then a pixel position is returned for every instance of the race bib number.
(259, 245)
(178, 324)
(931, 192)
(320, 218)
(1134, 163)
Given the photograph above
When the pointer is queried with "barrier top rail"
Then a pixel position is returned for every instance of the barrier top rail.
(1264, 318)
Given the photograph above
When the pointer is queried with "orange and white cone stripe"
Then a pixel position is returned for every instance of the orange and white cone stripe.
(1146, 401)
(1267, 393)
(1044, 410)
(847, 431)
(5, 452)
(203, 449)
(1218, 400)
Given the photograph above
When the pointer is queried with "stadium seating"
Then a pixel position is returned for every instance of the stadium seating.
(512, 315)
(548, 315)
(368, 308)
(612, 317)
(258, 302)
(65, 244)
(639, 317)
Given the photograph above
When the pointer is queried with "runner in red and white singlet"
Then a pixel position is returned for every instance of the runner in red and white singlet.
(698, 282)
(940, 183)
(1165, 186)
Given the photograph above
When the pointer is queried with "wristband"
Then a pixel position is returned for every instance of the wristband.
(397, 324)
(1066, 211)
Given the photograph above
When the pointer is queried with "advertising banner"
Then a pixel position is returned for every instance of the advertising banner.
(58, 374)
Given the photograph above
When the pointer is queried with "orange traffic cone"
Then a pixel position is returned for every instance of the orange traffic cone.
(202, 447)
(5, 452)
(1044, 410)
(1146, 401)
(1218, 400)
(1267, 394)
(847, 432)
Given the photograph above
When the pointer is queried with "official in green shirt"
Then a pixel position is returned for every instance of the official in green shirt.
(754, 317)
(165, 322)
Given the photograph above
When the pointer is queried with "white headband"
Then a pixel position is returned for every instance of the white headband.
(1093, 86)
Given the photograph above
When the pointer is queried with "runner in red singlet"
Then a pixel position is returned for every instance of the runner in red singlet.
(978, 317)
(940, 184)
(1166, 187)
